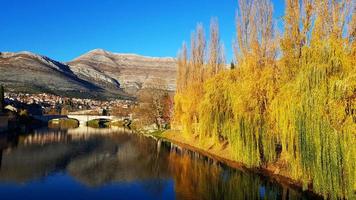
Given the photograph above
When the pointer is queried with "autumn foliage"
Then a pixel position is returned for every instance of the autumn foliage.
(291, 97)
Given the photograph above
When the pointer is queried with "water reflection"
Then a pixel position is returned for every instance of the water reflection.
(89, 163)
(197, 177)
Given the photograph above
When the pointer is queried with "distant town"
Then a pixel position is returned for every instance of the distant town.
(53, 104)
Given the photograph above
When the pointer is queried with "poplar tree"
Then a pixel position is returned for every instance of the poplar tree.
(216, 59)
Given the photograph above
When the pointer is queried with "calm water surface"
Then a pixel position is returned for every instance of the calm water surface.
(90, 163)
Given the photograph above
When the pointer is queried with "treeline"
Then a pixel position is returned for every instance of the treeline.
(290, 99)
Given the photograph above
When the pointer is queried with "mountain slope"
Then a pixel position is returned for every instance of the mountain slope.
(132, 71)
(28, 72)
(96, 74)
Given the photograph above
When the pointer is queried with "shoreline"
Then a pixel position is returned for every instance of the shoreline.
(283, 180)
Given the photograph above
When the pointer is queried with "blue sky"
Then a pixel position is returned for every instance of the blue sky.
(65, 29)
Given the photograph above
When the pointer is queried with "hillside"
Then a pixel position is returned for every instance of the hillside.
(97, 74)
(132, 71)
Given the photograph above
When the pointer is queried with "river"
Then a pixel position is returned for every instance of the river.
(87, 163)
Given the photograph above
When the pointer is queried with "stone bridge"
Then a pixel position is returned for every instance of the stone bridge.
(82, 119)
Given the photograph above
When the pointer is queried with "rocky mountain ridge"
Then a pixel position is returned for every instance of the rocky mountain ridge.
(132, 71)
(96, 74)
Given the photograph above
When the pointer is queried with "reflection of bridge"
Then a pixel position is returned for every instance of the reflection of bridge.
(82, 119)
(60, 136)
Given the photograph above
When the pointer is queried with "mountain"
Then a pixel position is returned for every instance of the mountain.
(96, 74)
(132, 71)
(31, 73)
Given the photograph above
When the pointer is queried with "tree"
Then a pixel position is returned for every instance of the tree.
(296, 110)
(2, 98)
(154, 105)
(105, 112)
(232, 65)
(198, 48)
(298, 22)
(182, 68)
(167, 112)
(216, 60)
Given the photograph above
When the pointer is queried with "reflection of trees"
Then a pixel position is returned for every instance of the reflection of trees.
(200, 179)
(40, 138)
(7, 141)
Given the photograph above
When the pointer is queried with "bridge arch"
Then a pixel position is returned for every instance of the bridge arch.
(62, 118)
(82, 119)
(63, 122)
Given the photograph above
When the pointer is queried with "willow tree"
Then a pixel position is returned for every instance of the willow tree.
(303, 105)
(234, 107)
(311, 111)
(296, 112)
(255, 57)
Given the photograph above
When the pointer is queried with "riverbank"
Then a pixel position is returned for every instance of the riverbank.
(222, 152)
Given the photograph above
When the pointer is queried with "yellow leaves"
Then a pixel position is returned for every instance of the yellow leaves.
(186, 103)
(309, 112)
(303, 103)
